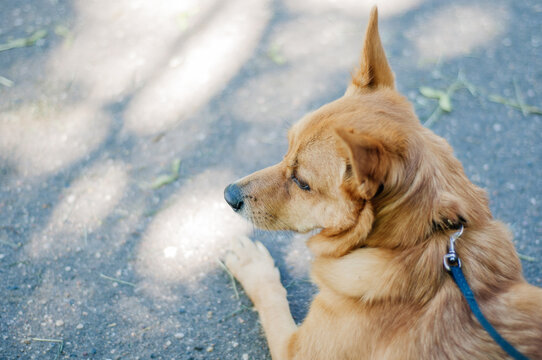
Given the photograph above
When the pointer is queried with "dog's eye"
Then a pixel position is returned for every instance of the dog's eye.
(300, 183)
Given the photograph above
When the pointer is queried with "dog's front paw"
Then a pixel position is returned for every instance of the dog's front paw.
(251, 264)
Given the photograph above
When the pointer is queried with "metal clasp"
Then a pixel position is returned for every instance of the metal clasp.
(451, 258)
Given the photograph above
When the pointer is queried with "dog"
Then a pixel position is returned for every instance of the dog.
(386, 194)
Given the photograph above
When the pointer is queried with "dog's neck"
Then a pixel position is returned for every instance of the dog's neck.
(409, 233)
(432, 195)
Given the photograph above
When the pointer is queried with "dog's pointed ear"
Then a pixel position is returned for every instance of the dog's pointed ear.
(374, 69)
(367, 158)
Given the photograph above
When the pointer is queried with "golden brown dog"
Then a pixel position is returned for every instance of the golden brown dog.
(387, 194)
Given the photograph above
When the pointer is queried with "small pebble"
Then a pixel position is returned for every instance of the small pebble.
(79, 326)
(179, 335)
(59, 323)
(245, 356)
(210, 349)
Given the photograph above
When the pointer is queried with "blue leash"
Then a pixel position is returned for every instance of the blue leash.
(452, 263)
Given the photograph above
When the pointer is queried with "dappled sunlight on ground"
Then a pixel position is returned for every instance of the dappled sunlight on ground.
(119, 45)
(200, 67)
(38, 138)
(458, 29)
(98, 253)
(308, 59)
(81, 209)
(185, 240)
(353, 7)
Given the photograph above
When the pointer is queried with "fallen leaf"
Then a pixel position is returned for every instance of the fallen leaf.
(6, 82)
(445, 103)
(23, 42)
(166, 179)
(431, 93)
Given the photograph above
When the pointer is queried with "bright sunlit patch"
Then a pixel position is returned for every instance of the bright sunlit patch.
(352, 7)
(185, 240)
(200, 67)
(457, 30)
(121, 44)
(40, 138)
(81, 209)
(170, 252)
(267, 98)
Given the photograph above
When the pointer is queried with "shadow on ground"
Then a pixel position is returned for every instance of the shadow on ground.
(120, 127)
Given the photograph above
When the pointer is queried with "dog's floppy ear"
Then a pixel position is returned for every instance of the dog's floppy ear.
(367, 158)
(374, 70)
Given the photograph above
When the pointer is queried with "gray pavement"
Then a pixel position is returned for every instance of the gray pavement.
(109, 250)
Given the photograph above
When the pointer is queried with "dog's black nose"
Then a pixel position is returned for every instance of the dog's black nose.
(234, 196)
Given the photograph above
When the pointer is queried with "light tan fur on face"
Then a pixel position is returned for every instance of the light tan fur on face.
(385, 193)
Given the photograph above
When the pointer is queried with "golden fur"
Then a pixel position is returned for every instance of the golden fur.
(386, 193)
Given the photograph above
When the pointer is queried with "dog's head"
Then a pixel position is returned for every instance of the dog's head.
(351, 164)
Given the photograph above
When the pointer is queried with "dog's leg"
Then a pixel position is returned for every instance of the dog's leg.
(252, 265)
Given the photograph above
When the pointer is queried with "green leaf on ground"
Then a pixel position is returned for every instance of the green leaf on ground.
(514, 104)
(232, 278)
(65, 33)
(57, 341)
(183, 18)
(110, 278)
(10, 243)
(445, 103)
(431, 93)
(519, 98)
(444, 98)
(526, 258)
(23, 42)
(166, 179)
(5, 81)
(275, 54)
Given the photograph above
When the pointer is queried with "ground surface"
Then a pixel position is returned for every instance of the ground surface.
(107, 251)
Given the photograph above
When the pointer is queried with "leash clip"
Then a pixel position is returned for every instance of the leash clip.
(451, 258)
